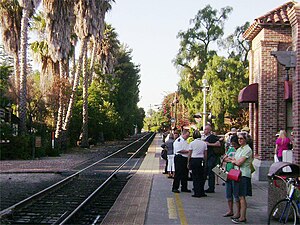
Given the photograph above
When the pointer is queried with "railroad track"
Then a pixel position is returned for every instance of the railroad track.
(83, 197)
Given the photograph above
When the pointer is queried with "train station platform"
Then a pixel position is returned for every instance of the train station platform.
(147, 199)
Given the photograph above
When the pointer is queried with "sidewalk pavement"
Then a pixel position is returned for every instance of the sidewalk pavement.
(165, 207)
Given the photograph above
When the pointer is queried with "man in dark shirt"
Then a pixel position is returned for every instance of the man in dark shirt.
(212, 141)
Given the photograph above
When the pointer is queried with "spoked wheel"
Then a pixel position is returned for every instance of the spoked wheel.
(284, 212)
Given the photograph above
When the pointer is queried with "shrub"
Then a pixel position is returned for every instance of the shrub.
(19, 147)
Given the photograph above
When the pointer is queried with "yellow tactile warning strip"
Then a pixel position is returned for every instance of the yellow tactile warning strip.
(180, 209)
(131, 206)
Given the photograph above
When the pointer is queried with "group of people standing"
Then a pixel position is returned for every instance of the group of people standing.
(199, 157)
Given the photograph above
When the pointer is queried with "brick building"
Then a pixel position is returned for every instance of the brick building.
(273, 93)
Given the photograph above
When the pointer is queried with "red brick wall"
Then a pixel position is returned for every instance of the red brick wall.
(268, 104)
(294, 17)
(269, 115)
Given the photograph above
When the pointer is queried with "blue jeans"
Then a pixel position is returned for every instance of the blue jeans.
(232, 191)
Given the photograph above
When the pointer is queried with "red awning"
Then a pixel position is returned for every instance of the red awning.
(288, 90)
(249, 94)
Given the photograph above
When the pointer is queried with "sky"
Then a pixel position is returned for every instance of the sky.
(150, 27)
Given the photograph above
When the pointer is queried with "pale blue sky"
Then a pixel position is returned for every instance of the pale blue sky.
(150, 27)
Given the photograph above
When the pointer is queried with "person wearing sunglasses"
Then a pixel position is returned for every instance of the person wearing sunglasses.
(242, 160)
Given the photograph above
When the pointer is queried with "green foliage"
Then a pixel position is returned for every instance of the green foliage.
(19, 147)
(36, 105)
(236, 46)
(127, 92)
(5, 72)
(113, 99)
(40, 48)
(226, 78)
(195, 52)
(38, 22)
(196, 60)
(156, 121)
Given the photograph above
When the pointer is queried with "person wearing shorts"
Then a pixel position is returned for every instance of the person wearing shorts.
(232, 192)
(242, 160)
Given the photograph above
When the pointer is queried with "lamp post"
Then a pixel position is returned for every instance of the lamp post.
(204, 90)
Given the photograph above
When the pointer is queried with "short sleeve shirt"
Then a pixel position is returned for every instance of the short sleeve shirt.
(180, 144)
(246, 152)
(198, 147)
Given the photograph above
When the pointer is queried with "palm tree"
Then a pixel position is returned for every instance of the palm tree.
(10, 24)
(98, 10)
(58, 29)
(27, 10)
(75, 82)
(104, 7)
(39, 48)
(108, 49)
(88, 23)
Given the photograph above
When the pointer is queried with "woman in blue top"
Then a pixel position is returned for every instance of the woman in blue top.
(242, 160)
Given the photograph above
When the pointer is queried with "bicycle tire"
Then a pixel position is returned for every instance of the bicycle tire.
(284, 212)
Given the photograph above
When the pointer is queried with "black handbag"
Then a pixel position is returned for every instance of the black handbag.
(164, 154)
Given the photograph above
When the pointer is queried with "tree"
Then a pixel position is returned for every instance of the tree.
(226, 77)
(236, 46)
(49, 75)
(98, 33)
(28, 8)
(108, 49)
(10, 23)
(58, 18)
(195, 52)
(127, 81)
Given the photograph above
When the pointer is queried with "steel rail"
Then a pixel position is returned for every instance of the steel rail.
(102, 185)
(62, 182)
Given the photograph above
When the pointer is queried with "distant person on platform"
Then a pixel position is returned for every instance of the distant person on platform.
(170, 154)
(212, 141)
(180, 148)
(282, 143)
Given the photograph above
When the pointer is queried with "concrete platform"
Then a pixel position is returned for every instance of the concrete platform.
(147, 199)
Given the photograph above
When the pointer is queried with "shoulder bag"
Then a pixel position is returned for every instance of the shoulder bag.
(164, 153)
(220, 171)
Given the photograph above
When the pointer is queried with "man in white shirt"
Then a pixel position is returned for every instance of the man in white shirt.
(180, 148)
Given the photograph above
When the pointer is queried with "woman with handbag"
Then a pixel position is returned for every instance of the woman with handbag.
(242, 161)
(231, 192)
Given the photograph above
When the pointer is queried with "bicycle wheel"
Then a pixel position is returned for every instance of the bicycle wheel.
(284, 212)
